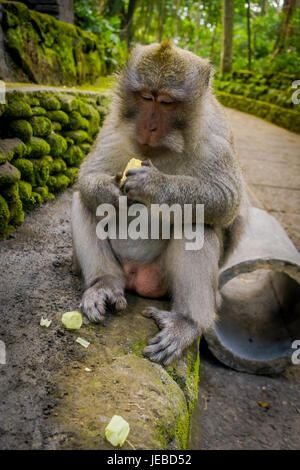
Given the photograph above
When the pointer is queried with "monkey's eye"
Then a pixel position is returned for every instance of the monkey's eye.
(147, 97)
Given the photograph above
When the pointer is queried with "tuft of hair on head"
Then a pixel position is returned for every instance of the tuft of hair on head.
(163, 49)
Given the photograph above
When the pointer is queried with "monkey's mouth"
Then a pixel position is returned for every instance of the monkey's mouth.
(145, 148)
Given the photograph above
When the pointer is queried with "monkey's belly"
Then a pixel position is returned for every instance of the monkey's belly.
(145, 279)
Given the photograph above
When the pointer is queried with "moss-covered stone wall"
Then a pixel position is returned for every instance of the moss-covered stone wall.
(268, 96)
(44, 136)
(37, 48)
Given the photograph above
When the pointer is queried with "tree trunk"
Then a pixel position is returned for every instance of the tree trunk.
(263, 7)
(227, 19)
(127, 21)
(283, 33)
(249, 35)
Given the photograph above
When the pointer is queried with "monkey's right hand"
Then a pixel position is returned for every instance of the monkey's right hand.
(103, 293)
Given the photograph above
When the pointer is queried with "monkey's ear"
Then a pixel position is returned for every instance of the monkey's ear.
(206, 71)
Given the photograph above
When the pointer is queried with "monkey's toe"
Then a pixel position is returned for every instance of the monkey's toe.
(96, 300)
(159, 316)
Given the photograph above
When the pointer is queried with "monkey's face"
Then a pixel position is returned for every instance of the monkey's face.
(155, 120)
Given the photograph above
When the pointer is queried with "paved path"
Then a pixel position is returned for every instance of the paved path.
(228, 414)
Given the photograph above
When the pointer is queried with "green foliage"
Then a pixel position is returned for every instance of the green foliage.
(87, 17)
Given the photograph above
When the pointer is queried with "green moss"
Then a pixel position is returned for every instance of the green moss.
(58, 166)
(59, 116)
(72, 174)
(18, 109)
(38, 111)
(41, 126)
(85, 147)
(94, 123)
(38, 147)
(76, 121)
(26, 168)
(43, 191)
(57, 127)
(41, 170)
(78, 136)
(73, 156)
(85, 109)
(4, 216)
(58, 183)
(69, 103)
(282, 117)
(25, 191)
(8, 174)
(49, 102)
(58, 145)
(15, 204)
(20, 128)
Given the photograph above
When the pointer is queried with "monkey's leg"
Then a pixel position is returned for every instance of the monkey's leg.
(192, 279)
(103, 276)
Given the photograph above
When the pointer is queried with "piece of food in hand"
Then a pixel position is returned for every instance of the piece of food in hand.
(133, 163)
(72, 320)
(117, 430)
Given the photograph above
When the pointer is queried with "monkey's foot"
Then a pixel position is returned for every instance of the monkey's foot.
(99, 297)
(177, 333)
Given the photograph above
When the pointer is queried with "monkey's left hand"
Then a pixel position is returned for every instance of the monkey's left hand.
(177, 333)
(141, 183)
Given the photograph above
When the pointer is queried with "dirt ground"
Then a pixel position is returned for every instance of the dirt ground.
(36, 280)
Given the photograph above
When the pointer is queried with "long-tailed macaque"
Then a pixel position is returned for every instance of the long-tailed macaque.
(164, 111)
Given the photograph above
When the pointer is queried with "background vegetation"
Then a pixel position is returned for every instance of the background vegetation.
(266, 34)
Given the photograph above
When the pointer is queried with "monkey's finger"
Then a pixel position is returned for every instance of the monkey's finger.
(159, 316)
(135, 171)
(147, 163)
(120, 303)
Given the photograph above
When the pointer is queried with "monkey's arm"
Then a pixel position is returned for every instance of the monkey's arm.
(97, 177)
(218, 185)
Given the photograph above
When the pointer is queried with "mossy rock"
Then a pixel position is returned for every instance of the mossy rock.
(85, 109)
(10, 148)
(35, 200)
(94, 123)
(58, 145)
(73, 156)
(85, 147)
(78, 136)
(41, 126)
(38, 147)
(58, 166)
(56, 126)
(59, 116)
(26, 168)
(49, 102)
(25, 192)
(20, 128)
(18, 110)
(43, 191)
(14, 202)
(76, 121)
(38, 111)
(41, 169)
(4, 216)
(9, 174)
(72, 174)
(69, 103)
(58, 183)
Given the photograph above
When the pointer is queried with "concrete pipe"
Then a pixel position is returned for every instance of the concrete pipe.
(259, 318)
